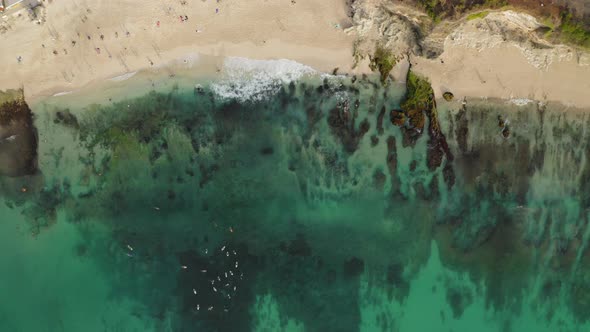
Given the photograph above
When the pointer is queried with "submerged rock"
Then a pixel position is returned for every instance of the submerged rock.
(417, 119)
(391, 161)
(379, 179)
(397, 117)
(458, 299)
(374, 140)
(380, 117)
(506, 131)
(342, 124)
(18, 136)
(66, 118)
(353, 267)
(461, 130)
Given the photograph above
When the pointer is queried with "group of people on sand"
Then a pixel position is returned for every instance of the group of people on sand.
(182, 18)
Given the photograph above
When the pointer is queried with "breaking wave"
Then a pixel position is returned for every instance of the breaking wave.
(254, 80)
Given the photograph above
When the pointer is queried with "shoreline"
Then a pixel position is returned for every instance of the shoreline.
(487, 74)
(77, 45)
(157, 43)
(174, 61)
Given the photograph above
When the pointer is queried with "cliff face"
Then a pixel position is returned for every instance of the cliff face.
(566, 20)
(404, 29)
(545, 8)
(18, 136)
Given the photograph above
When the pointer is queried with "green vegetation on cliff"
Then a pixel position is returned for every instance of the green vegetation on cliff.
(477, 15)
(383, 61)
(419, 93)
(440, 9)
(563, 23)
(573, 31)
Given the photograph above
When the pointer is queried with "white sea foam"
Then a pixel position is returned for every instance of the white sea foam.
(62, 93)
(251, 80)
(123, 77)
(521, 101)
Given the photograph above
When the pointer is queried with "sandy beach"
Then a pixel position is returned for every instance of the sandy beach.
(84, 41)
(504, 73)
(115, 38)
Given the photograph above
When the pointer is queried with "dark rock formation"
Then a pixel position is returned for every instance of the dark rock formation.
(397, 117)
(437, 144)
(66, 118)
(18, 137)
(392, 164)
(353, 267)
(448, 96)
(461, 130)
(380, 121)
(342, 123)
(379, 179)
(458, 298)
(374, 140)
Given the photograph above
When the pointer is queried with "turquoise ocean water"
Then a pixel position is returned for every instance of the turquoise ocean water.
(303, 210)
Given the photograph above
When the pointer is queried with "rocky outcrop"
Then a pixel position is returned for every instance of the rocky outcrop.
(397, 28)
(406, 30)
(343, 125)
(515, 29)
(18, 136)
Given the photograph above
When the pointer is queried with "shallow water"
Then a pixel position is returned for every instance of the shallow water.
(183, 211)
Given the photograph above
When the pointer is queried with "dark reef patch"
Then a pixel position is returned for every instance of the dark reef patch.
(187, 180)
(66, 118)
(353, 267)
(18, 137)
(343, 125)
(458, 298)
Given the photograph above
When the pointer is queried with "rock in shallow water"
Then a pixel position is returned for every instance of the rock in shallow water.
(18, 136)
(448, 96)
